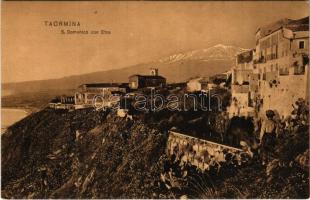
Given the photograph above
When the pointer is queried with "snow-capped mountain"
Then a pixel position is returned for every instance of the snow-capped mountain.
(217, 52)
(176, 68)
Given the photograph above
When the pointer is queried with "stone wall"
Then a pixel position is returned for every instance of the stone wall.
(281, 95)
(202, 153)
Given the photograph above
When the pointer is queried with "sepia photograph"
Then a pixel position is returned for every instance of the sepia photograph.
(155, 100)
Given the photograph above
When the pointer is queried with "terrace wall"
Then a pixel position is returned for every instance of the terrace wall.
(201, 153)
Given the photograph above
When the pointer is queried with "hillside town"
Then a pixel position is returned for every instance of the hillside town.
(270, 78)
(271, 72)
(157, 136)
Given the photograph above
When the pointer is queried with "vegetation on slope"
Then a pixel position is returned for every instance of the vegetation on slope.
(91, 154)
(80, 154)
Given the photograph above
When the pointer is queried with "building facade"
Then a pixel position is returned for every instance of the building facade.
(86, 93)
(143, 81)
(274, 75)
(281, 63)
(62, 102)
(243, 85)
(197, 84)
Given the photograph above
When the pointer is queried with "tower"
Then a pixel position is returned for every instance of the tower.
(154, 71)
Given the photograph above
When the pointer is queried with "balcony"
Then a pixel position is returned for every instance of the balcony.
(240, 88)
(299, 70)
(260, 60)
(283, 72)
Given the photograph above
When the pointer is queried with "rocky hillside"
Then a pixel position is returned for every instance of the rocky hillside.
(91, 154)
(81, 154)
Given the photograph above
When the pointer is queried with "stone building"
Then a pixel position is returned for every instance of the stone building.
(62, 102)
(217, 79)
(86, 93)
(281, 63)
(243, 68)
(274, 75)
(243, 85)
(143, 81)
(197, 84)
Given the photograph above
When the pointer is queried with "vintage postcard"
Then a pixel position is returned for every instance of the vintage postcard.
(154, 99)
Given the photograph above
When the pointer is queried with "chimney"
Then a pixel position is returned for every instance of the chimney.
(154, 72)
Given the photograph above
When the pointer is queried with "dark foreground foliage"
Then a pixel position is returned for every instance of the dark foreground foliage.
(91, 154)
(80, 154)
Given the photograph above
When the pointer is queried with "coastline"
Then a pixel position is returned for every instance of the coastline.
(28, 110)
(13, 115)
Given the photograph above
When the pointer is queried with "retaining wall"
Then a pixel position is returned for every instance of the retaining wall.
(202, 153)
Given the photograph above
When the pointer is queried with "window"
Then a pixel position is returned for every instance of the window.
(301, 44)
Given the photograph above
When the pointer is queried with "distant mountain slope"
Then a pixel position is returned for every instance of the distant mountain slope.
(176, 68)
(217, 52)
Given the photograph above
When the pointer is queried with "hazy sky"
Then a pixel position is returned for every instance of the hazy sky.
(140, 32)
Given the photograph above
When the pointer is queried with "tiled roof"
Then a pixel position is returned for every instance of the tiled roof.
(245, 57)
(200, 80)
(99, 85)
(294, 25)
(148, 76)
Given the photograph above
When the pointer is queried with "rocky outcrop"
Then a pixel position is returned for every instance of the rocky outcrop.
(91, 154)
(80, 154)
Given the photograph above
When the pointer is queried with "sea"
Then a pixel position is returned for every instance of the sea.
(9, 116)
